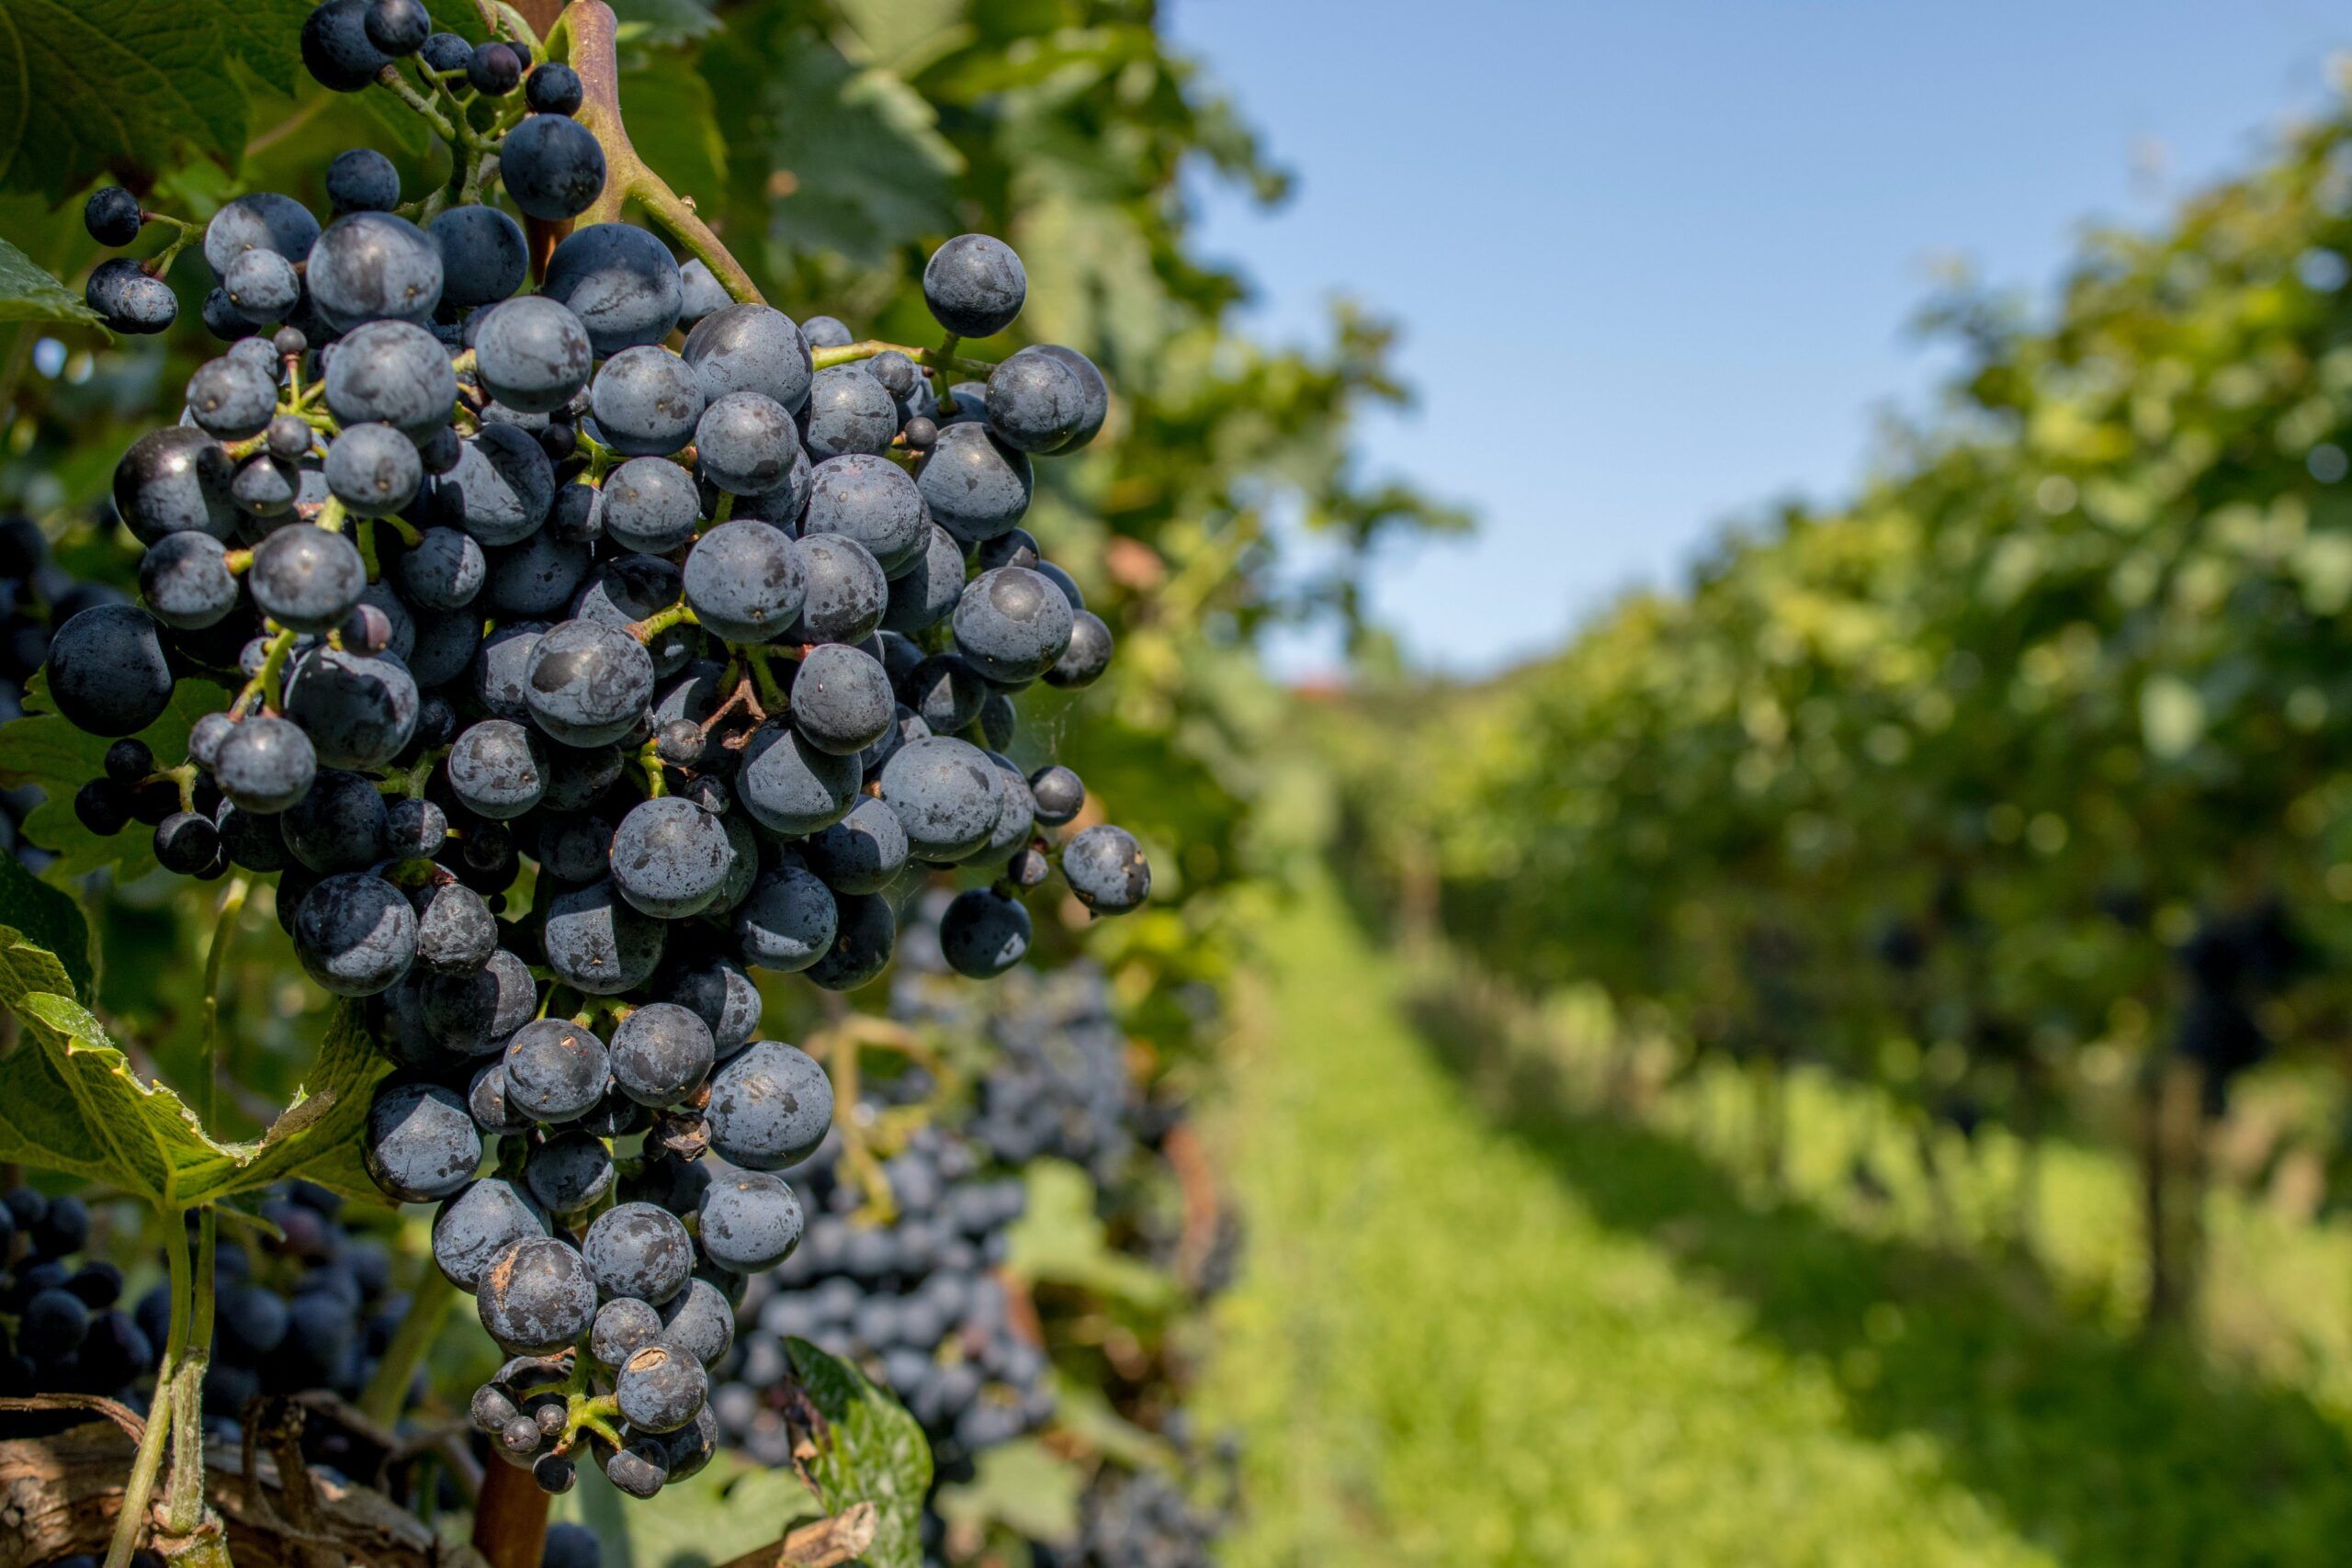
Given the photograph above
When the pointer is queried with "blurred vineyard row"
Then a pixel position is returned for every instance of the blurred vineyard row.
(2019, 787)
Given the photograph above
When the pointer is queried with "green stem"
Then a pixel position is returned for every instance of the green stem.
(939, 360)
(387, 1390)
(390, 76)
(140, 1491)
(224, 931)
(653, 626)
(265, 683)
(772, 694)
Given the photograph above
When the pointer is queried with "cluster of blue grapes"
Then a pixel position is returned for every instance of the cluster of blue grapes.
(578, 674)
(66, 1332)
(912, 1298)
(1138, 1520)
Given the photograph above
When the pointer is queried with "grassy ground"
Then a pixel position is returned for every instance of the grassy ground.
(1481, 1328)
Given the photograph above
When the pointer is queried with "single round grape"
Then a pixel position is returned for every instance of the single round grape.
(445, 571)
(186, 842)
(113, 216)
(455, 932)
(570, 1173)
(946, 691)
(842, 701)
(650, 504)
(501, 669)
(983, 933)
(398, 27)
(374, 470)
(413, 830)
(640, 1251)
(750, 348)
(535, 1296)
(356, 934)
(646, 401)
(745, 580)
(789, 786)
(419, 1145)
(861, 949)
(186, 581)
(785, 504)
(556, 1071)
(872, 500)
(554, 87)
(846, 590)
(496, 769)
(745, 441)
(445, 52)
(552, 167)
(974, 285)
(669, 857)
(1096, 407)
(770, 1105)
(860, 853)
(624, 1326)
(659, 1389)
(337, 49)
(495, 69)
(538, 577)
(849, 411)
(717, 991)
(122, 292)
(445, 646)
(175, 480)
(484, 257)
(788, 922)
(107, 672)
(394, 373)
(661, 1053)
(1088, 655)
(478, 1223)
(262, 285)
(361, 180)
(976, 486)
(597, 943)
(229, 398)
(374, 265)
(620, 282)
(1059, 793)
(531, 352)
(639, 1470)
(924, 595)
(751, 1220)
(1036, 402)
(1012, 624)
(306, 578)
(703, 294)
(587, 684)
(946, 795)
(360, 711)
(264, 221)
(266, 487)
(337, 824)
(1106, 868)
(501, 490)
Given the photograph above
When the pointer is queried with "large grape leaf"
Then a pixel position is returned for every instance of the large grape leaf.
(29, 294)
(870, 1452)
(860, 150)
(44, 747)
(47, 918)
(117, 84)
(70, 1101)
(1059, 1237)
(663, 21)
(266, 38)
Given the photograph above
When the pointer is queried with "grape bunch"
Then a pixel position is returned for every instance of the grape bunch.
(912, 1298)
(1138, 1520)
(65, 1331)
(578, 669)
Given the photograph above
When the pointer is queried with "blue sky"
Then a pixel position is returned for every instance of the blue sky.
(1656, 260)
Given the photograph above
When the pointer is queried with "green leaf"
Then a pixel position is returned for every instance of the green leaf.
(1025, 1486)
(730, 1507)
(663, 22)
(44, 747)
(869, 170)
(265, 37)
(1059, 1237)
(46, 918)
(120, 85)
(674, 126)
(70, 1101)
(870, 1452)
(29, 294)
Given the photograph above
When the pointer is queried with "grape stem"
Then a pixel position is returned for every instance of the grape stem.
(586, 28)
(265, 683)
(139, 1491)
(937, 360)
(387, 1390)
(653, 626)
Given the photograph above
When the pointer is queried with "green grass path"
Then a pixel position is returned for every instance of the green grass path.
(1437, 1355)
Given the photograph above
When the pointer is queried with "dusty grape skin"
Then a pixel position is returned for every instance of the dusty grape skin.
(420, 1144)
(535, 1296)
(975, 285)
(946, 795)
(661, 1053)
(355, 934)
(770, 1105)
(849, 411)
(597, 943)
(368, 266)
(746, 580)
(1106, 868)
(473, 1224)
(841, 700)
(174, 479)
(532, 354)
(863, 852)
(588, 683)
(787, 923)
(872, 500)
(976, 486)
(620, 282)
(670, 857)
(556, 1070)
(750, 1219)
(790, 786)
(360, 711)
(647, 401)
(484, 257)
(395, 373)
(641, 1251)
(750, 348)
